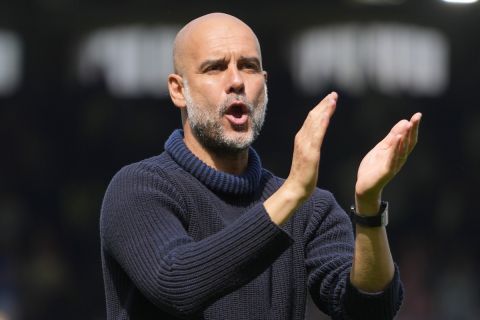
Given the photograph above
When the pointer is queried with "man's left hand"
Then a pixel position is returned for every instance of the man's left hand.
(383, 162)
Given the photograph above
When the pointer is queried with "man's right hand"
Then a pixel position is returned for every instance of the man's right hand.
(303, 176)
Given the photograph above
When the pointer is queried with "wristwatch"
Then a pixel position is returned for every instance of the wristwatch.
(379, 220)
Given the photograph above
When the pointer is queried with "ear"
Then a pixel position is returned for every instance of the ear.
(175, 88)
(265, 75)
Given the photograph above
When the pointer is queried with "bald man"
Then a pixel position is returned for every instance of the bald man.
(202, 231)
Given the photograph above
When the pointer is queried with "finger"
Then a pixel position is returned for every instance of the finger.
(413, 135)
(408, 139)
(404, 144)
(330, 103)
(318, 119)
(401, 153)
(399, 129)
(330, 98)
(327, 105)
(308, 141)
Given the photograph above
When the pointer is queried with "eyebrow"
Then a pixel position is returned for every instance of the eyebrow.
(254, 60)
(242, 59)
(210, 62)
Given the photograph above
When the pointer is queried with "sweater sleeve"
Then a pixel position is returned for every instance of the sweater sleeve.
(329, 256)
(141, 230)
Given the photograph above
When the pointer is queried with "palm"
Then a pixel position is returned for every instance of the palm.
(386, 159)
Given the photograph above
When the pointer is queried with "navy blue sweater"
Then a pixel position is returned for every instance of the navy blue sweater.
(182, 240)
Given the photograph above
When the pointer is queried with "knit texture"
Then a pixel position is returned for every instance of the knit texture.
(180, 240)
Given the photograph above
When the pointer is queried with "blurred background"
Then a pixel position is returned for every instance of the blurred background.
(83, 93)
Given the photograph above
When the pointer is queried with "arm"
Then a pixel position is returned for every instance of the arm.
(373, 268)
(328, 258)
(142, 231)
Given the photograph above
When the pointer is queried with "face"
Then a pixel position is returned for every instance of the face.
(206, 123)
(224, 89)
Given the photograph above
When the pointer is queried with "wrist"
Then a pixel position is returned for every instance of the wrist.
(378, 220)
(281, 205)
(367, 205)
(295, 191)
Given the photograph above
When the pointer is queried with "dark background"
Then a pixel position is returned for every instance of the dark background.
(62, 140)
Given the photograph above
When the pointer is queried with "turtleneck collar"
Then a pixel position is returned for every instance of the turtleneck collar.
(215, 180)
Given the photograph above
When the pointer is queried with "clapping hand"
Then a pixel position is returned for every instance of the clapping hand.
(383, 162)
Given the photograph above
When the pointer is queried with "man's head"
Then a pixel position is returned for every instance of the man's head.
(219, 83)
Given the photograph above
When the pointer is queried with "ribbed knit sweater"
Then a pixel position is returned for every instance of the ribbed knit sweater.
(180, 240)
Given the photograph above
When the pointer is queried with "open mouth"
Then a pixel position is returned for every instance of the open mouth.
(237, 110)
(237, 113)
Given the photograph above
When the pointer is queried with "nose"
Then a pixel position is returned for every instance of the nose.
(236, 83)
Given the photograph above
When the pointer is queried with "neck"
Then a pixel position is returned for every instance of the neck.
(233, 163)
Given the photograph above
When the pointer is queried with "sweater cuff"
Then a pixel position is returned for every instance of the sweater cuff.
(379, 305)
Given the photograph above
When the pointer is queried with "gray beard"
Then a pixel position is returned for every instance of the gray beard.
(209, 131)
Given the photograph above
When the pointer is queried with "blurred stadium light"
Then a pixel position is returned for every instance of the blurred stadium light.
(460, 1)
(389, 58)
(132, 60)
(380, 2)
(10, 62)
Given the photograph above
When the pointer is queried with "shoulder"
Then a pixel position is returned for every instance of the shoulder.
(150, 170)
(140, 191)
(152, 177)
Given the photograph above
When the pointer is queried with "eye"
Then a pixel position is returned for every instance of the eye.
(250, 66)
(214, 68)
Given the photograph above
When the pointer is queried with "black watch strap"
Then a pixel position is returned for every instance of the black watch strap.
(379, 220)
